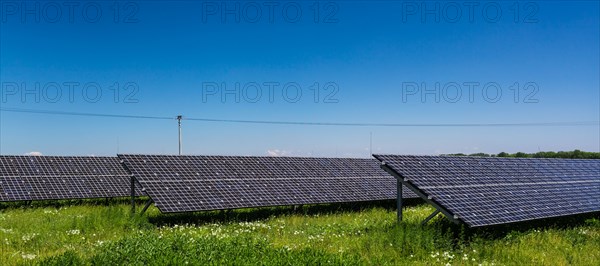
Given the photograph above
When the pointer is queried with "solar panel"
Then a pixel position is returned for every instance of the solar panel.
(483, 191)
(56, 177)
(198, 183)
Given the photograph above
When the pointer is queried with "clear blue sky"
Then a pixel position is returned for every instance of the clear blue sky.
(373, 52)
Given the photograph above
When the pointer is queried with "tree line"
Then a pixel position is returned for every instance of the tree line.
(575, 154)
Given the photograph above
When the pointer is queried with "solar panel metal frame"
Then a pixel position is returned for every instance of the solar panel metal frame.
(202, 183)
(31, 178)
(507, 173)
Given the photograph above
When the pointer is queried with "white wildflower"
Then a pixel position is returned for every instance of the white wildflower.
(29, 237)
(73, 232)
(28, 256)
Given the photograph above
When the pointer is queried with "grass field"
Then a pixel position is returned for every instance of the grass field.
(104, 233)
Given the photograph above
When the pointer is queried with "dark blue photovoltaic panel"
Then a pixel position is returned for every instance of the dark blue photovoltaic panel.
(197, 183)
(490, 190)
(58, 177)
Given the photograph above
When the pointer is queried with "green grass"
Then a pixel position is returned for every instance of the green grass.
(99, 233)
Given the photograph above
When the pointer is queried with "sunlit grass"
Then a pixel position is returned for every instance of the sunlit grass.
(32, 233)
(332, 234)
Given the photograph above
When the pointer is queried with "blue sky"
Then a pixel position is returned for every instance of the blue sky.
(363, 58)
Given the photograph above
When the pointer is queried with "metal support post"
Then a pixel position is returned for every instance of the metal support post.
(132, 195)
(430, 217)
(146, 206)
(399, 199)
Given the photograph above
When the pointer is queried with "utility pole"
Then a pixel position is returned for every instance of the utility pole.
(370, 144)
(179, 117)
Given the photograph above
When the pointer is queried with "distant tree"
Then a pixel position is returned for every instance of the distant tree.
(575, 154)
(480, 154)
(521, 155)
(545, 154)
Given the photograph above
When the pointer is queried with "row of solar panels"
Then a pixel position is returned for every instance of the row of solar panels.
(196, 183)
(482, 191)
(26, 178)
(182, 183)
(476, 191)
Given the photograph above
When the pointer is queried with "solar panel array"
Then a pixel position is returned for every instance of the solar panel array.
(25, 178)
(485, 191)
(196, 183)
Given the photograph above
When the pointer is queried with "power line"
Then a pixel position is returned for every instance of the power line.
(46, 112)
(583, 123)
(530, 124)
